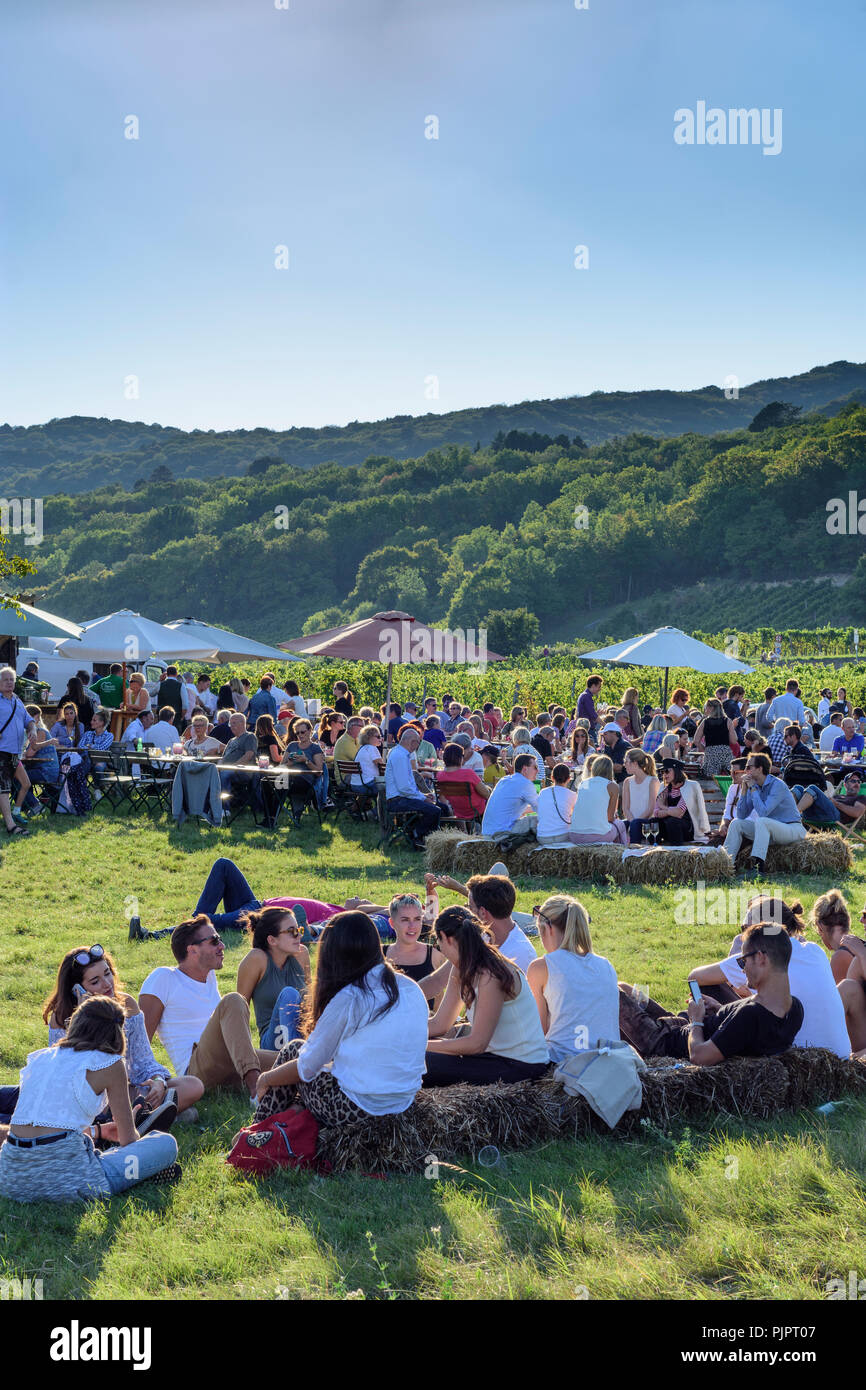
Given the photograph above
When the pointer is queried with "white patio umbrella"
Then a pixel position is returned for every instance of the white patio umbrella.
(34, 622)
(229, 646)
(127, 636)
(667, 647)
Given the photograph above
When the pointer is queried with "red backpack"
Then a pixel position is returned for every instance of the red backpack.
(285, 1140)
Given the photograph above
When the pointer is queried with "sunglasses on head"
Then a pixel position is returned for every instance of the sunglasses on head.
(88, 957)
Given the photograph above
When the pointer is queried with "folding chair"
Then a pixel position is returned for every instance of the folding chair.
(117, 786)
(355, 800)
(454, 787)
(394, 824)
(152, 788)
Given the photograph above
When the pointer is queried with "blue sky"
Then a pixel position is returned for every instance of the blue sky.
(412, 258)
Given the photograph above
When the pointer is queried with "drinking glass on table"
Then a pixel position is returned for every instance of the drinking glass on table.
(646, 830)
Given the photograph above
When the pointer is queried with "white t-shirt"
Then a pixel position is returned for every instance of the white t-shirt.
(378, 1063)
(190, 698)
(294, 702)
(823, 709)
(475, 762)
(187, 1007)
(207, 700)
(161, 734)
(811, 981)
(555, 805)
(518, 948)
(829, 737)
(368, 754)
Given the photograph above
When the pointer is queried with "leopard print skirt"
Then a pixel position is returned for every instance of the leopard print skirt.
(321, 1096)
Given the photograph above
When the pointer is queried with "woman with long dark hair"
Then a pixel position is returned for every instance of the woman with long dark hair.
(274, 975)
(79, 697)
(504, 1040)
(365, 1030)
(269, 743)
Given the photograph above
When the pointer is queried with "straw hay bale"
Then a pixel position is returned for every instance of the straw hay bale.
(449, 851)
(458, 1121)
(822, 853)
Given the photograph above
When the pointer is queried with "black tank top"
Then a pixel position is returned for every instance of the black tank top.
(716, 733)
(418, 972)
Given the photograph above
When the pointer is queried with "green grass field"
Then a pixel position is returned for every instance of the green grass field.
(727, 1210)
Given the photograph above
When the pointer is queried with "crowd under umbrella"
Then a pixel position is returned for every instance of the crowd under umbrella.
(667, 647)
(392, 639)
(229, 646)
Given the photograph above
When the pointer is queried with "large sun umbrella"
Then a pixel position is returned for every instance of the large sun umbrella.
(34, 622)
(668, 647)
(393, 639)
(126, 636)
(229, 646)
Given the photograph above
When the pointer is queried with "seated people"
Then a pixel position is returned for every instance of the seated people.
(491, 899)
(613, 745)
(346, 747)
(799, 766)
(521, 746)
(658, 727)
(366, 1032)
(369, 758)
(849, 798)
(472, 760)
(402, 793)
(809, 973)
(464, 807)
(575, 990)
(61, 1091)
(671, 810)
(138, 729)
(778, 820)
(163, 734)
(763, 1025)
(504, 1039)
(639, 792)
(492, 768)
(830, 733)
(200, 744)
(738, 767)
(849, 741)
(594, 820)
(776, 741)
(853, 993)
(308, 762)
(408, 953)
(221, 730)
(580, 746)
(204, 1035)
(83, 973)
(511, 809)
(433, 732)
(555, 806)
(274, 975)
(67, 729)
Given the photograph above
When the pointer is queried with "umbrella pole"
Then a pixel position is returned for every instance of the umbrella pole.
(388, 699)
(424, 696)
(665, 699)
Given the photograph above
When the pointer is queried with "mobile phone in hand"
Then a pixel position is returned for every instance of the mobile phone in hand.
(695, 991)
(80, 993)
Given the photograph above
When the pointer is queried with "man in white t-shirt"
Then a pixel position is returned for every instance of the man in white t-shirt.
(189, 694)
(492, 899)
(204, 1035)
(139, 729)
(830, 734)
(204, 694)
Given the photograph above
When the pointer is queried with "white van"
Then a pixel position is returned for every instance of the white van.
(56, 670)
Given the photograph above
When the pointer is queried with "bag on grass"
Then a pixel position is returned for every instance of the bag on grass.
(285, 1140)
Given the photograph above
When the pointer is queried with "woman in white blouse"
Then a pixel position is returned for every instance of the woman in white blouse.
(365, 1034)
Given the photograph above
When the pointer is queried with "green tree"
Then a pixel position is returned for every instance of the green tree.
(511, 631)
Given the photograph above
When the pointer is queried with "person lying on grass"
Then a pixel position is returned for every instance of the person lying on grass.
(365, 1034)
(503, 1038)
(762, 1026)
(809, 973)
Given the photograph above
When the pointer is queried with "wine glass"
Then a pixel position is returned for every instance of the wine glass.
(646, 830)
(654, 826)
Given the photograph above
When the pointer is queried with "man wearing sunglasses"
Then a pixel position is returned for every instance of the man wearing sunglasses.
(761, 1026)
(778, 820)
(204, 1035)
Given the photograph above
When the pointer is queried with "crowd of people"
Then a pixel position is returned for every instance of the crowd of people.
(401, 996)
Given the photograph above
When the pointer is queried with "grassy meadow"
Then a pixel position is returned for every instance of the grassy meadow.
(725, 1210)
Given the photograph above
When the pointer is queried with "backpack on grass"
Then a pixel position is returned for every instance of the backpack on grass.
(285, 1140)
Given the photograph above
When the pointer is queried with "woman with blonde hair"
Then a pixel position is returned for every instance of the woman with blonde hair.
(654, 735)
(832, 921)
(639, 792)
(137, 697)
(594, 820)
(631, 708)
(575, 990)
(369, 758)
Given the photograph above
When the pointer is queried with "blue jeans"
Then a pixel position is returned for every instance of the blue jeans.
(635, 831)
(822, 807)
(320, 787)
(226, 884)
(430, 814)
(134, 1163)
(8, 1102)
(285, 1020)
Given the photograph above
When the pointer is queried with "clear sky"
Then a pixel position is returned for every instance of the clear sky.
(412, 258)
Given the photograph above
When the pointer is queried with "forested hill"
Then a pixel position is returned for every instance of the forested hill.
(81, 453)
(529, 544)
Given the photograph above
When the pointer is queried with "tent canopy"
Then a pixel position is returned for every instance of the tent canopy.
(126, 636)
(35, 622)
(229, 646)
(392, 638)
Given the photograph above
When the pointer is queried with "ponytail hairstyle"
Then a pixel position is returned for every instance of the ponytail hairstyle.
(643, 760)
(475, 955)
(572, 919)
(349, 948)
(264, 923)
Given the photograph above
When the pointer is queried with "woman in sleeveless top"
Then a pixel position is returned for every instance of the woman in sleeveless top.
(639, 792)
(275, 974)
(409, 954)
(715, 734)
(594, 820)
(503, 1040)
(576, 992)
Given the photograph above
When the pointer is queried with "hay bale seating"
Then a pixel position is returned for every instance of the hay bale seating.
(451, 852)
(457, 1121)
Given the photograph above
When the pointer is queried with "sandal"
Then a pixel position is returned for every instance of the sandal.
(17, 830)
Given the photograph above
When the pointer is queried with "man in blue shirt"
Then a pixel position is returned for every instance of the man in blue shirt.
(849, 741)
(511, 799)
(262, 702)
(778, 820)
(787, 706)
(403, 794)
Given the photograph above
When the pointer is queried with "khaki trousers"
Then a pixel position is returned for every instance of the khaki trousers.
(224, 1053)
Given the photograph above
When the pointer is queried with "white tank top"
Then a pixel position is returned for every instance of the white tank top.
(55, 1091)
(518, 1033)
(583, 1001)
(590, 809)
(639, 798)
